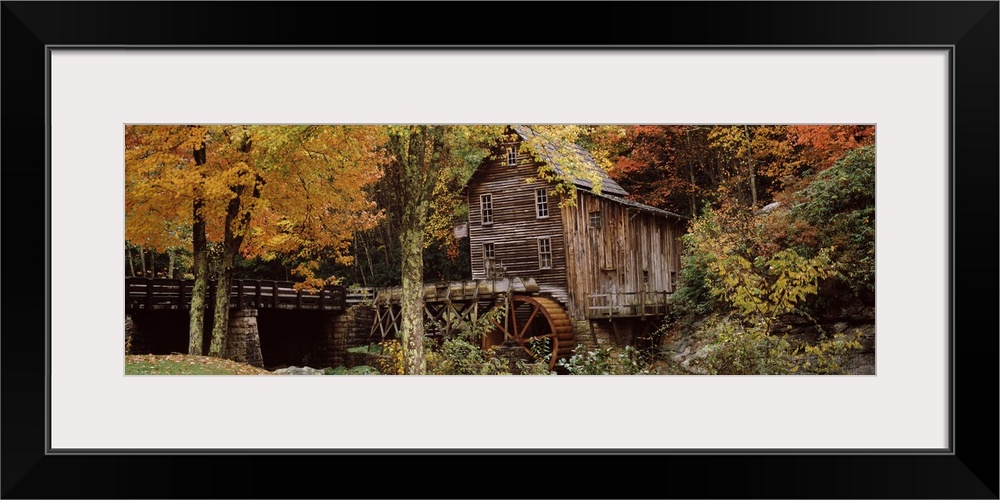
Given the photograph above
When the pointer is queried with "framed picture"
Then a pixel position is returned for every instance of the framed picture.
(925, 74)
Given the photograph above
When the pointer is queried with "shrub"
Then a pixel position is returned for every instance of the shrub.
(456, 356)
(732, 349)
(728, 264)
(391, 360)
(604, 361)
(837, 210)
(823, 357)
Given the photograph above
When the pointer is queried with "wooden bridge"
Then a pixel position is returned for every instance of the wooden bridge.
(447, 305)
(524, 316)
(158, 293)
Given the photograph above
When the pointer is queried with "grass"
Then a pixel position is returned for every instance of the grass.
(183, 364)
(357, 370)
(371, 348)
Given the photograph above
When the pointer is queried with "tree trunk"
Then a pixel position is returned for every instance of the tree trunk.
(170, 264)
(128, 256)
(238, 214)
(420, 172)
(142, 261)
(199, 292)
(196, 327)
(412, 299)
(224, 281)
(753, 173)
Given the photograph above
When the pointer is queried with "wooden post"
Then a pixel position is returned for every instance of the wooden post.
(274, 294)
(149, 294)
(298, 299)
(256, 300)
(180, 296)
(322, 291)
(239, 294)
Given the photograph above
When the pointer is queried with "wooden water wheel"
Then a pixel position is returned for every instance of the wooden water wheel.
(539, 325)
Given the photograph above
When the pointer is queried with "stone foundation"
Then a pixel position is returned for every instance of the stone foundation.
(158, 332)
(512, 354)
(130, 338)
(592, 334)
(243, 338)
(602, 333)
(341, 332)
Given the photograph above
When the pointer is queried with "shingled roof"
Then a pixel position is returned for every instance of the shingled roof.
(554, 151)
(642, 206)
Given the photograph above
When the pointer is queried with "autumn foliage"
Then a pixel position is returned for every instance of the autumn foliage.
(781, 216)
(310, 202)
(244, 191)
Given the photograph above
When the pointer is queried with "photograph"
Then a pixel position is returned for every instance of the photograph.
(681, 199)
(500, 249)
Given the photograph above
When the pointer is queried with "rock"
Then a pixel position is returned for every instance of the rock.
(295, 370)
(769, 207)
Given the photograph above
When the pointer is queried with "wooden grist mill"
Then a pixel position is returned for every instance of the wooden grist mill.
(596, 272)
(520, 315)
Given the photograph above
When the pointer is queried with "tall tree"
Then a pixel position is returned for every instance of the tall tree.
(245, 184)
(240, 186)
(196, 327)
(164, 168)
(427, 159)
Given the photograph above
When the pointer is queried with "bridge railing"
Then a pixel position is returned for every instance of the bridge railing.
(627, 304)
(159, 293)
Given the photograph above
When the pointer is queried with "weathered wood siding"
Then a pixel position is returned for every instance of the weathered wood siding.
(516, 228)
(611, 258)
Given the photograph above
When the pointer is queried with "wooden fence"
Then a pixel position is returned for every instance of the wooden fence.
(157, 293)
(626, 304)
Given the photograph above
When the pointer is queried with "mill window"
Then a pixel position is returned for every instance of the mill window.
(486, 208)
(512, 155)
(595, 220)
(544, 253)
(541, 203)
(489, 259)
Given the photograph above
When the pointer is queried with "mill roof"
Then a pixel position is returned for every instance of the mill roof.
(555, 152)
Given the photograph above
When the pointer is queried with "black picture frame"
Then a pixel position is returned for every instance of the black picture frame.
(970, 29)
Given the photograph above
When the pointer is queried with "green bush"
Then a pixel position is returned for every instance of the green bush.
(604, 361)
(732, 349)
(816, 250)
(455, 356)
(728, 263)
(837, 210)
